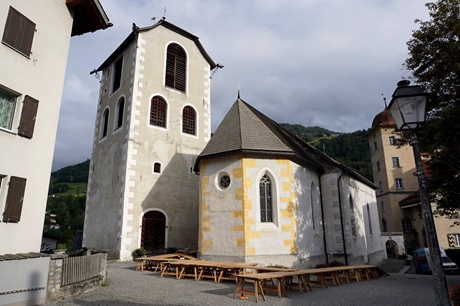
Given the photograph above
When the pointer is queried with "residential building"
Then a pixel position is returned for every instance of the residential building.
(34, 49)
(399, 206)
(153, 119)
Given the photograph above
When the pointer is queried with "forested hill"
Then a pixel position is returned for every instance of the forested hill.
(351, 149)
(74, 173)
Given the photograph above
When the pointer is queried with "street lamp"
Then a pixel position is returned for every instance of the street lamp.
(408, 108)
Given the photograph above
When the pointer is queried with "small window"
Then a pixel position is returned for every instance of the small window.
(118, 67)
(454, 240)
(384, 225)
(378, 166)
(157, 168)
(399, 183)
(352, 217)
(14, 200)
(391, 140)
(176, 63)
(28, 117)
(119, 112)
(407, 225)
(224, 181)
(19, 32)
(189, 120)
(266, 206)
(158, 108)
(382, 206)
(380, 186)
(395, 162)
(104, 124)
(7, 108)
(369, 219)
(375, 146)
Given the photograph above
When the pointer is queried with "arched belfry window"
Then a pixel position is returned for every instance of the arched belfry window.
(189, 120)
(266, 205)
(119, 113)
(176, 65)
(104, 124)
(158, 108)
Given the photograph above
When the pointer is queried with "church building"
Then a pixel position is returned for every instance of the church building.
(253, 192)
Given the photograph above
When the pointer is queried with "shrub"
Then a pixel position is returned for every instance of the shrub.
(138, 252)
(455, 295)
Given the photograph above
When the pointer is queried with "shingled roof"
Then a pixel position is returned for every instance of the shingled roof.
(245, 130)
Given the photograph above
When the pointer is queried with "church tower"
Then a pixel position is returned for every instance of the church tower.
(153, 119)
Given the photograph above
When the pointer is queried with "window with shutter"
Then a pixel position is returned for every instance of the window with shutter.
(189, 120)
(176, 65)
(158, 110)
(28, 117)
(14, 199)
(19, 32)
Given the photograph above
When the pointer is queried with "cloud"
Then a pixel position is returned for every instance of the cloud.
(313, 62)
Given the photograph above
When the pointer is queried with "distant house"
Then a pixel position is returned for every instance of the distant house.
(33, 51)
(399, 207)
(267, 196)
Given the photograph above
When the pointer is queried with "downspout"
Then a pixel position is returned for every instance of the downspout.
(341, 221)
(322, 218)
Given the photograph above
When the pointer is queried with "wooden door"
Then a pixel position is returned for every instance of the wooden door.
(153, 232)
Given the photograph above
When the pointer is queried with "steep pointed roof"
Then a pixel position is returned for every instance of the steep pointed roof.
(245, 130)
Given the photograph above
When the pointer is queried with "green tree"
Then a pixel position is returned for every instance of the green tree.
(434, 60)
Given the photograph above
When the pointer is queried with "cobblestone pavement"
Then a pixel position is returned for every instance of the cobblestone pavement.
(130, 287)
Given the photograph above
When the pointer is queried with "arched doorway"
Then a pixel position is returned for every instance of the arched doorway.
(153, 232)
(392, 249)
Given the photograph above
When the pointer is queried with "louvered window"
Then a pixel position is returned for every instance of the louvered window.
(189, 120)
(158, 109)
(265, 190)
(28, 117)
(176, 63)
(14, 199)
(19, 32)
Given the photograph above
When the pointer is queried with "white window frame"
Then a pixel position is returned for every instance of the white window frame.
(395, 161)
(14, 96)
(399, 183)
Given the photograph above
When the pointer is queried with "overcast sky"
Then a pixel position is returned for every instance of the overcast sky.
(313, 62)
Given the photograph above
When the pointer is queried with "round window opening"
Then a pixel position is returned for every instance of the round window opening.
(224, 181)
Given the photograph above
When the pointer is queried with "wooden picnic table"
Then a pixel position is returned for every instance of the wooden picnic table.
(148, 262)
(259, 280)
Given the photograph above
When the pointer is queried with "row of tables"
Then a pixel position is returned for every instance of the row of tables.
(264, 278)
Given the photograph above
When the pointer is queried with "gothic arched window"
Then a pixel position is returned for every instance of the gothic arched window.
(266, 205)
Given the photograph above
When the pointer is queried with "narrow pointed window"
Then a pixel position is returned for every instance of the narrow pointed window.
(266, 210)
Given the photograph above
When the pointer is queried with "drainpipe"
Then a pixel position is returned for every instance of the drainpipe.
(341, 220)
(322, 218)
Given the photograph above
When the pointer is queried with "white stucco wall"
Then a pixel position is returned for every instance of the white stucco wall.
(174, 191)
(231, 228)
(42, 77)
